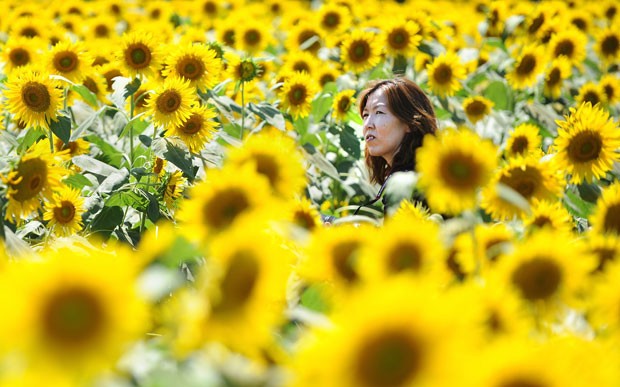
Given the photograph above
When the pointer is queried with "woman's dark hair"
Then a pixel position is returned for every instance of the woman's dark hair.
(411, 105)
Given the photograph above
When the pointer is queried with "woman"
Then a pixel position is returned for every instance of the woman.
(397, 115)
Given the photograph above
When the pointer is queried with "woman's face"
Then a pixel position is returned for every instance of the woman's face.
(383, 131)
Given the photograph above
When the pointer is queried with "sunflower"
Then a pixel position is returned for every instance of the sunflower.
(35, 176)
(334, 19)
(606, 218)
(524, 140)
(479, 251)
(138, 54)
(402, 37)
(99, 28)
(174, 187)
(198, 129)
(305, 35)
(19, 52)
(452, 167)
(71, 60)
(611, 86)
(528, 64)
(197, 64)
(67, 309)
(605, 302)
(558, 71)
(445, 74)
(226, 196)
(586, 143)
(33, 97)
(171, 102)
(95, 83)
(606, 249)
(31, 28)
(394, 249)
(393, 333)
(64, 211)
(109, 72)
(545, 277)
(607, 44)
(591, 93)
(360, 50)
(571, 44)
(549, 214)
(304, 214)
(274, 156)
(300, 61)
(409, 209)
(297, 94)
(241, 69)
(326, 74)
(476, 108)
(253, 36)
(343, 101)
(529, 177)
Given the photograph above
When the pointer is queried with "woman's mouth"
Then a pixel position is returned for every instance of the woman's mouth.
(369, 137)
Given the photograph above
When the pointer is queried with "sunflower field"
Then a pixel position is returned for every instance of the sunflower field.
(167, 168)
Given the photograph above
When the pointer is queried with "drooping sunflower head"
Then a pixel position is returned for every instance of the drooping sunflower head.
(241, 69)
(171, 102)
(33, 97)
(452, 167)
(524, 140)
(528, 64)
(528, 177)
(343, 101)
(71, 60)
(297, 94)
(198, 129)
(360, 51)
(138, 54)
(476, 108)
(445, 74)
(194, 63)
(586, 143)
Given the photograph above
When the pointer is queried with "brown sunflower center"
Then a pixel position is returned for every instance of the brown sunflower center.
(537, 22)
(19, 57)
(222, 210)
(138, 56)
(72, 316)
(610, 45)
(190, 68)
(459, 171)
(554, 77)
(247, 70)
(526, 65)
(301, 66)
(229, 37)
(109, 78)
(33, 175)
(541, 221)
(476, 108)
(29, 32)
(388, 359)
(169, 101)
(209, 7)
(297, 95)
(405, 256)
(494, 322)
(493, 248)
(238, 282)
(580, 23)
(521, 381)
(564, 47)
(252, 37)
(359, 51)
(525, 182)
(102, 31)
(65, 213)
(306, 35)
(344, 257)
(537, 279)
(398, 39)
(36, 97)
(591, 96)
(91, 85)
(611, 223)
(585, 147)
(344, 104)
(326, 78)
(331, 20)
(192, 125)
(304, 219)
(443, 74)
(519, 145)
(158, 166)
(267, 166)
(65, 61)
(604, 256)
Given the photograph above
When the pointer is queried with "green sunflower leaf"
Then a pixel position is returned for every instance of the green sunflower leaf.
(62, 128)
(500, 94)
(181, 159)
(85, 93)
(349, 142)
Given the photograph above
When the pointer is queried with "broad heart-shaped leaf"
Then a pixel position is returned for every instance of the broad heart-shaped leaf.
(85, 93)
(62, 128)
(321, 106)
(107, 220)
(349, 142)
(181, 159)
(500, 94)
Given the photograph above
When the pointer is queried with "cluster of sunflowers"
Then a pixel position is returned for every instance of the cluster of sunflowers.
(166, 165)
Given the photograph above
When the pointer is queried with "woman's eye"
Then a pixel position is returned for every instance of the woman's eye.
(364, 115)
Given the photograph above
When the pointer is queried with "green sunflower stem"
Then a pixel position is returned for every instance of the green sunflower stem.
(242, 110)
(131, 108)
(51, 137)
